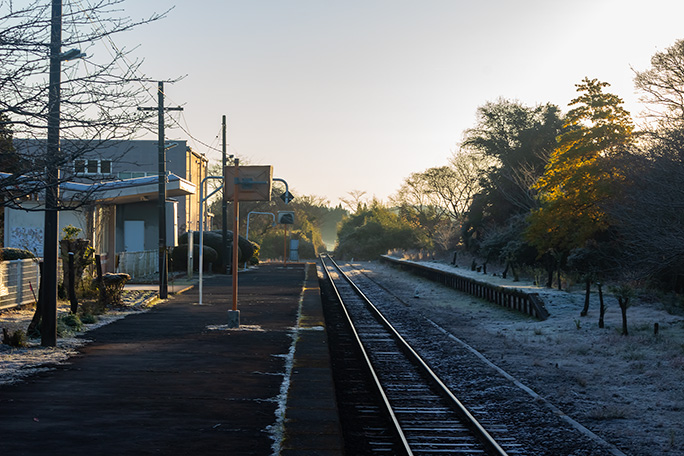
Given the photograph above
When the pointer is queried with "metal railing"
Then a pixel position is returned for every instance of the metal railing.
(138, 264)
(17, 278)
(510, 297)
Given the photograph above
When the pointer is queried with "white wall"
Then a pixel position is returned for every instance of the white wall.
(24, 229)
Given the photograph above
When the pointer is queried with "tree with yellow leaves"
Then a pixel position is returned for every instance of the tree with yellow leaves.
(579, 177)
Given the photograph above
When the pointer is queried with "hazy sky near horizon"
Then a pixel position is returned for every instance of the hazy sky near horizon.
(357, 94)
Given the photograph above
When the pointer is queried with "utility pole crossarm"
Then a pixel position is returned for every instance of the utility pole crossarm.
(156, 108)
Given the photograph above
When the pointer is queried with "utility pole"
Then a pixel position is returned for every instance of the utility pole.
(48, 330)
(163, 262)
(224, 206)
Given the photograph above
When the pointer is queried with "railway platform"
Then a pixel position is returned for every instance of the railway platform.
(176, 381)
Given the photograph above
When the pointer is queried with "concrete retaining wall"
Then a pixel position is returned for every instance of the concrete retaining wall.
(512, 298)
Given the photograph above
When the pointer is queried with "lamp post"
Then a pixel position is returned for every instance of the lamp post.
(201, 233)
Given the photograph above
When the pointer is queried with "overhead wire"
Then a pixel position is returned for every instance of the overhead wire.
(101, 29)
(122, 57)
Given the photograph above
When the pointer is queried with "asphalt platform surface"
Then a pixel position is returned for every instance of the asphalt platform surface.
(175, 381)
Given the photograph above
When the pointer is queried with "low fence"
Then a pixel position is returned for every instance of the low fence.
(512, 298)
(17, 277)
(138, 264)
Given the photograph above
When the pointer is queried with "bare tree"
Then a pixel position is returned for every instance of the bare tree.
(663, 85)
(419, 201)
(649, 213)
(356, 199)
(99, 93)
(444, 191)
(466, 169)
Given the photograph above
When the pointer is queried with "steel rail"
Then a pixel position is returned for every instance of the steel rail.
(369, 366)
(488, 442)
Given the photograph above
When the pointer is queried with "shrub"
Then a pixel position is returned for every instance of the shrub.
(16, 338)
(113, 289)
(88, 319)
(72, 321)
(371, 232)
(254, 260)
(10, 253)
(67, 324)
(214, 239)
(179, 256)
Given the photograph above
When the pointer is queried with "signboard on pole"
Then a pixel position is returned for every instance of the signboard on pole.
(287, 197)
(254, 182)
(286, 217)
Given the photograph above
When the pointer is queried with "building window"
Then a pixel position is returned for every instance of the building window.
(134, 174)
(105, 167)
(79, 166)
(91, 167)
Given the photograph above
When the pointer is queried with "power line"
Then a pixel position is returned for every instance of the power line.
(99, 27)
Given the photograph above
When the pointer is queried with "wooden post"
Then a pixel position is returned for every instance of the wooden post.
(72, 284)
(100, 281)
(285, 246)
(40, 303)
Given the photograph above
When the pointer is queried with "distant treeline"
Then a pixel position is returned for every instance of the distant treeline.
(584, 192)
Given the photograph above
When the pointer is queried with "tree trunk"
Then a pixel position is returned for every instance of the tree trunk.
(623, 309)
(100, 282)
(602, 307)
(587, 294)
(38, 314)
(71, 290)
(505, 271)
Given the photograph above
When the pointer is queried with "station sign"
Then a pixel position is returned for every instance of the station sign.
(254, 182)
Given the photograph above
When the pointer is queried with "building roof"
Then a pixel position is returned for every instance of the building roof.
(138, 189)
(124, 191)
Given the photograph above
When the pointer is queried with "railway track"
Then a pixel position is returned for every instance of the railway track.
(400, 406)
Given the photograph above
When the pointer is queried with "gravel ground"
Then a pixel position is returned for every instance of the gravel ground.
(626, 390)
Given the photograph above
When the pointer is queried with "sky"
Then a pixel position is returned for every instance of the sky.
(355, 95)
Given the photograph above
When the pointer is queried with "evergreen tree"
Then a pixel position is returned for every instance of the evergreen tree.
(579, 176)
(516, 141)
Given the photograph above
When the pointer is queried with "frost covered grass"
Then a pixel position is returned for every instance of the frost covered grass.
(627, 389)
(17, 363)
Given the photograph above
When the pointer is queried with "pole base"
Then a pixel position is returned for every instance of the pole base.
(233, 318)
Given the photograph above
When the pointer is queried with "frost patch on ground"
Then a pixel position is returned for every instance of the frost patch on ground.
(277, 374)
(277, 429)
(256, 328)
(18, 363)
(313, 328)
